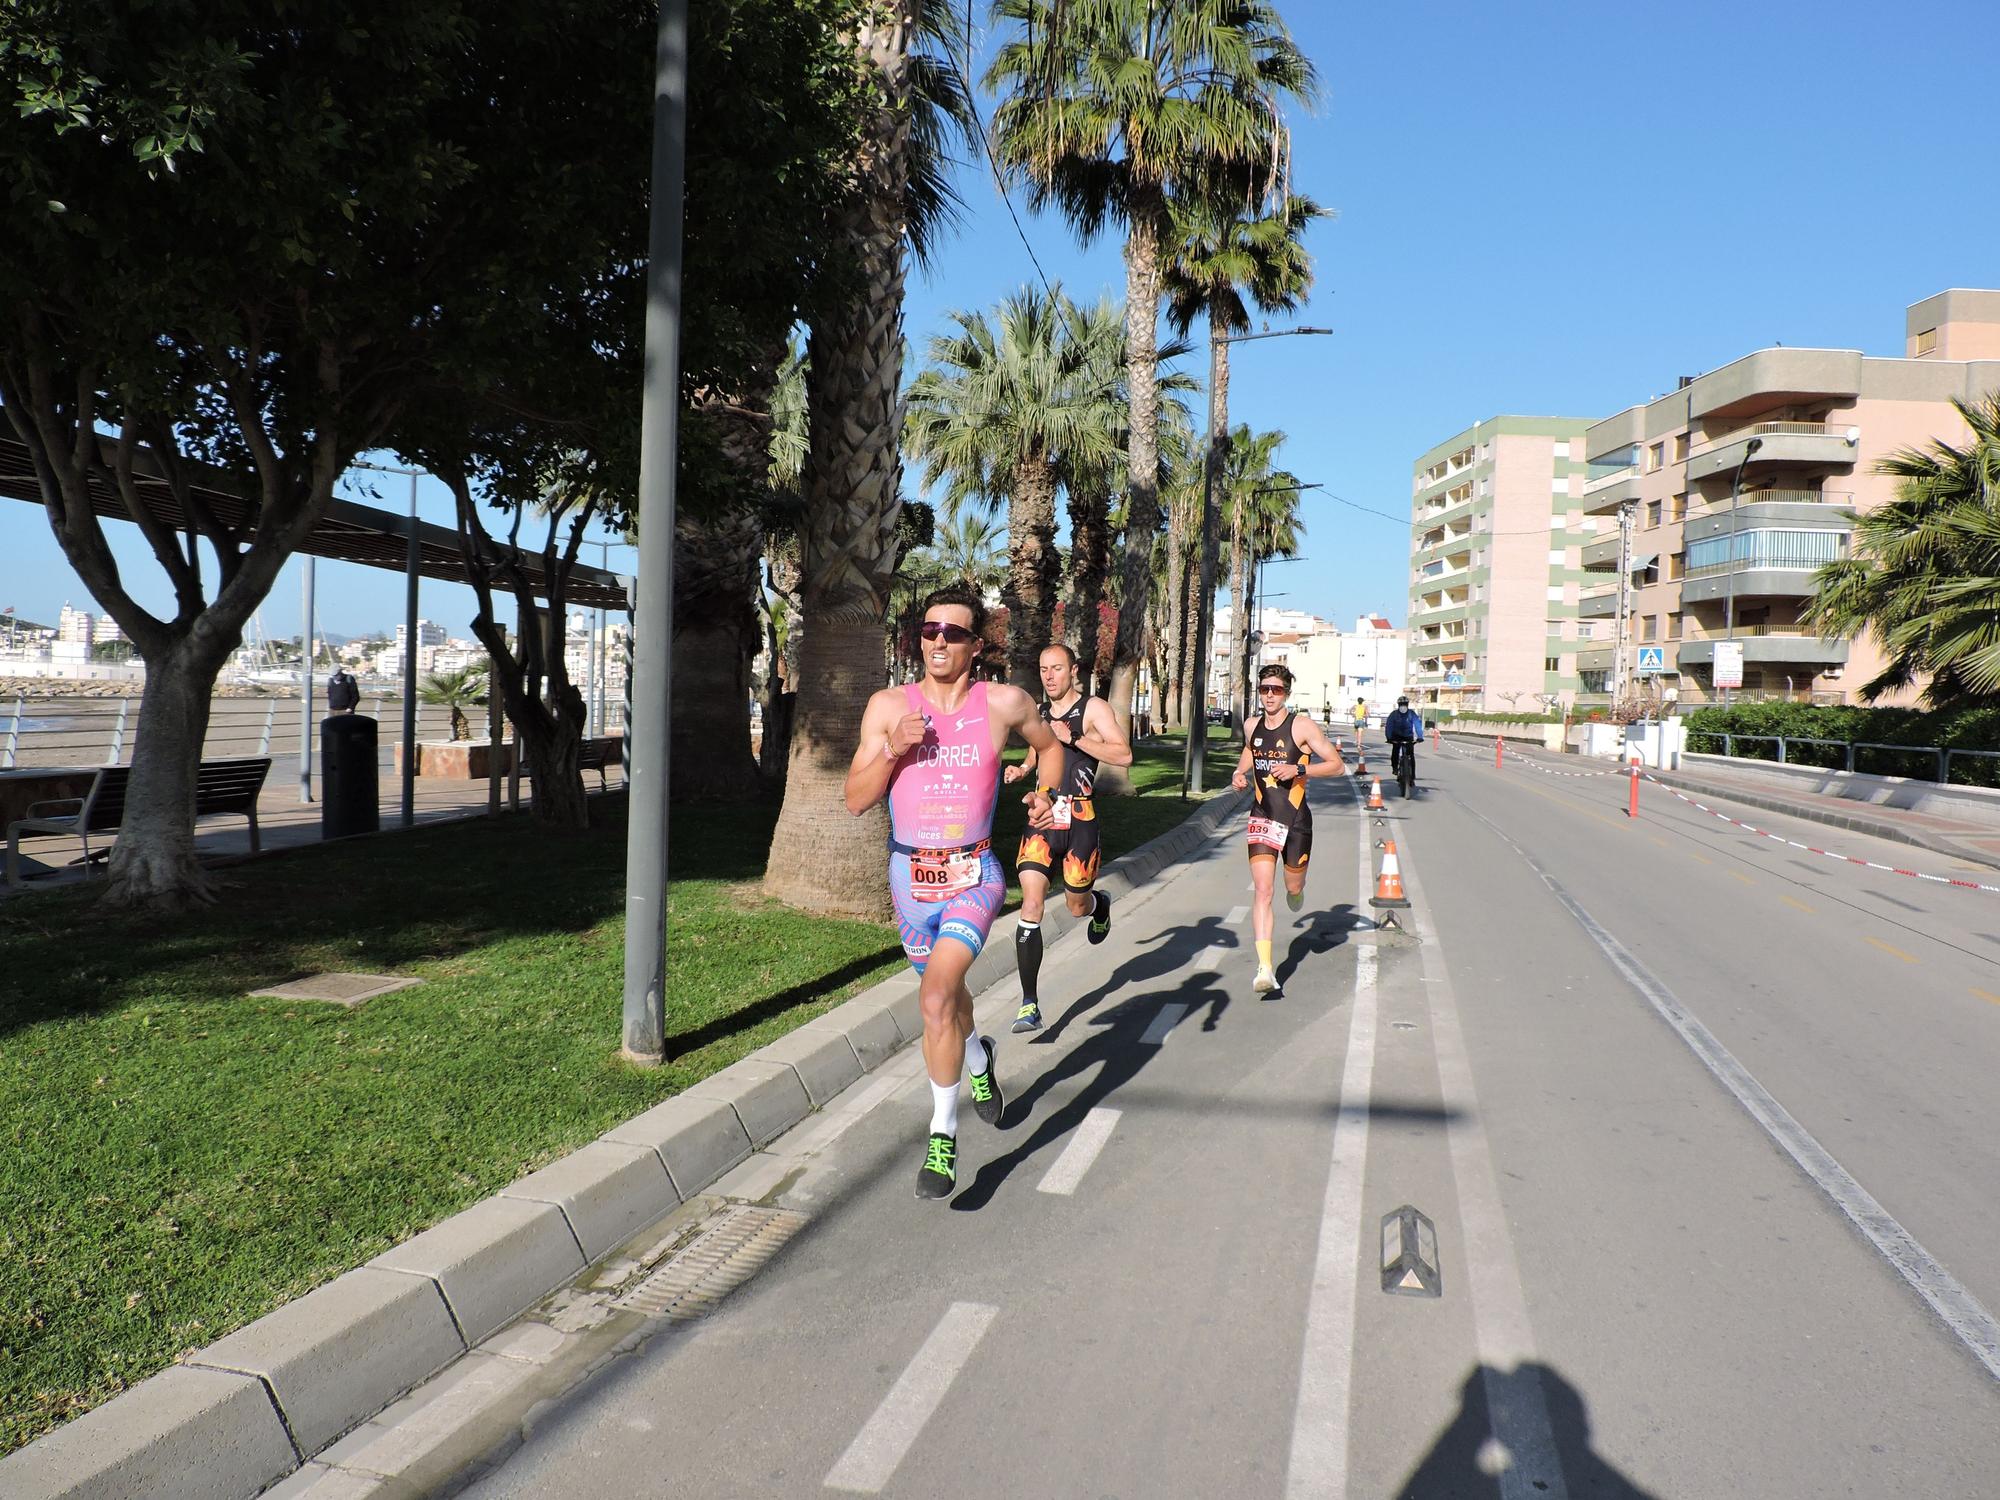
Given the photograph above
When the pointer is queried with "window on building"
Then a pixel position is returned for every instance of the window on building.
(1652, 514)
(1674, 626)
(1680, 448)
(1649, 627)
(1677, 511)
(1926, 342)
(1676, 566)
(1656, 456)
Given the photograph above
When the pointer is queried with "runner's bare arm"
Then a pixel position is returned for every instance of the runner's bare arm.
(1019, 769)
(1313, 738)
(888, 731)
(1101, 737)
(1241, 780)
(1016, 710)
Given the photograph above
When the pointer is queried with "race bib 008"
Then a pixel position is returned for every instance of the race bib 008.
(940, 877)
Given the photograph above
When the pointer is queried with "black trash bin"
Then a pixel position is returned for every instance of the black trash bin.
(350, 780)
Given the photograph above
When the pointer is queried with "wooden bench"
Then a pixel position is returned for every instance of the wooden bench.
(221, 786)
(594, 755)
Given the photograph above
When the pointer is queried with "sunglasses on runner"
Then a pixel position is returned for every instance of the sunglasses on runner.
(1273, 687)
(944, 630)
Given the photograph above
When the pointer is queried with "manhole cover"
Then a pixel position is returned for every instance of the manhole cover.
(338, 989)
(731, 1249)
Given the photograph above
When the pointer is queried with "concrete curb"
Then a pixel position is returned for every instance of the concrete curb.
(254, 1407)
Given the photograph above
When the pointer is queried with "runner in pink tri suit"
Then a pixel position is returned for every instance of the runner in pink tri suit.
(933, 749)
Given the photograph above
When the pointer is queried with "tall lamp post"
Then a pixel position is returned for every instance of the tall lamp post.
(1197, 738)
(411, 562)
(1729, 595)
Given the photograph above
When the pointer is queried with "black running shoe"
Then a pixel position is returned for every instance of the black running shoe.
(939, 1173)
(1028, 1017)
(1100, 919)
(986, 1100)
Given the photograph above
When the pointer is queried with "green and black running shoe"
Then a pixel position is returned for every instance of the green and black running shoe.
(1028, 1017)
(986, 1100)
(1100, 919)
(939, 1173)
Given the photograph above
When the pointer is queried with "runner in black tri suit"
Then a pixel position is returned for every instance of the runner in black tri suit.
(1089, 733)
(1278, 752)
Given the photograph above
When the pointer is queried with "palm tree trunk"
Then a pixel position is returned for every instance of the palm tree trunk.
(1174, 637)
(715, 638)
(1033, 568)
(1214, 458)
(821, 858)
(1239, 611)
(1142, 514)
(1089, 566)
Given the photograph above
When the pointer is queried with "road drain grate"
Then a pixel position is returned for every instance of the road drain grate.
(731, 1248)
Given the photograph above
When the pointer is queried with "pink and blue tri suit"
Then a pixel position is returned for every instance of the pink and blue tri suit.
(943, 874)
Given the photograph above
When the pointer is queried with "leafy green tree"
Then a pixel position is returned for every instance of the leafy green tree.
(1000, 405)
(1923, 575)
(1105, 106)
(240, 240)
(1262, 504)
(1223, 259)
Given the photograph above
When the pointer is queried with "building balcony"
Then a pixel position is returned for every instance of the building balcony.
(1596, 659)
(1602, 606)
(1769, 646)
(1706, 585)
(1821, 445)
(1771, 379)
(1772, 505)
(1602, 557)
(1604, 496)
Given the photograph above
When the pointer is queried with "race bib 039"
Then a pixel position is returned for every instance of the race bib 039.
(1268, 832)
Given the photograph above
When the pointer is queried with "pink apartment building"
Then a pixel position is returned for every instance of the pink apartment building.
(1799, 433)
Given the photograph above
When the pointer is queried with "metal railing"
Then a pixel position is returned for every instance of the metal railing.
(1771, 429)
(1710, 504)
(1940, 756)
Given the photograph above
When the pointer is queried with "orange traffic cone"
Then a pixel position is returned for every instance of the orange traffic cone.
(1389, 884)
(1375, 795)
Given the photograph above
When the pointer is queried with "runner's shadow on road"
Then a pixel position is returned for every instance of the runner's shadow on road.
(1118, 1055)
(1178, 946)
(1327, 931)
(1464, 1460)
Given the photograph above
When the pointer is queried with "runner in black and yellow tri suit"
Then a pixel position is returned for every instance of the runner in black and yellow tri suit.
(1089, 733)
(1278, 752)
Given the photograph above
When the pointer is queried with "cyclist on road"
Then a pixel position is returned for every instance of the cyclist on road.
(1278, 752)
(1089, 731)
(1404, 730)
(933, 749)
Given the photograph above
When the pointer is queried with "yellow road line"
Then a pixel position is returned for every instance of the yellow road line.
(1987, 995)
(1893, 952)
(1573, 806)
(1702, 857)
(1738, 874)
(1791, 901)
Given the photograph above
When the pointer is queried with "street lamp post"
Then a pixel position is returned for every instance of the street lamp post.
(1729, 595)
(1197, 737)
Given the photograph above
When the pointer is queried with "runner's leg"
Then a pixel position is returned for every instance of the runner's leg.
(1263, 865)
(1028, 946)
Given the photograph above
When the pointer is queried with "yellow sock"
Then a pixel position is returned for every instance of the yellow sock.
(1263, 953)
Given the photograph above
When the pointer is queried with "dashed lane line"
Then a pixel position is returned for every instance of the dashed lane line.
(1893, 952)
(872, 1458)
(1084, 1143)
(1210, 958)
(1236, 914)
(1795, 903)
(1169, 1017)
(1986, 995)
(1739, 875)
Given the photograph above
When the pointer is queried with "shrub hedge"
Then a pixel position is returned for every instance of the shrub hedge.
(1972, 728)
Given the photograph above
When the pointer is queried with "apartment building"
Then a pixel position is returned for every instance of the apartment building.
(1797, 434)
(1496, 564)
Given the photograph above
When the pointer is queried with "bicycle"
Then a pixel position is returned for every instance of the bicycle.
(1403, 763)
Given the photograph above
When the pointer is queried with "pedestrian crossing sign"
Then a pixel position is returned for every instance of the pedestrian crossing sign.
(1652, 658)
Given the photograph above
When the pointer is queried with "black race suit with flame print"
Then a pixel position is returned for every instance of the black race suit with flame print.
(1280, 820)
(1072, 844)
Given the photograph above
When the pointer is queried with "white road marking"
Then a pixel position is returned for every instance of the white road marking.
(1210, 957)
(871, 1459)
(1516, 1404)
(1960, 1311)
(1319, 1456)
(1084, 1144)
(1236, 914)
(1168, 1018)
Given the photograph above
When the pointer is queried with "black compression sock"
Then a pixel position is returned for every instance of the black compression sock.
(1028, 957)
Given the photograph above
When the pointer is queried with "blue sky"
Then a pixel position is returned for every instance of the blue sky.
(1545, 208)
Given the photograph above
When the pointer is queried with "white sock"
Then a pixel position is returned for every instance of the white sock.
(944, 1109)
(975, 1053)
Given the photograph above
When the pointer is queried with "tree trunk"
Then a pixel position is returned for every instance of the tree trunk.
(1215, 471)
(821, 858)
(1173, 639)
(554, 748)
(1239, 611)
(1089, 566)
(1142, 513)
(1033, 567)
(715, 640)
(153, 862)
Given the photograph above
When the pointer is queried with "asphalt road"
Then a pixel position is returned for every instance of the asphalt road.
(1706, 1125)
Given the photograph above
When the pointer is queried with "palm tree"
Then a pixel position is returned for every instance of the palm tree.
(455, 690)
(821, 859)
(1106, 104)
(1261, 503)
(1923, 574)
(1219, 252)
(995, 413)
